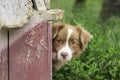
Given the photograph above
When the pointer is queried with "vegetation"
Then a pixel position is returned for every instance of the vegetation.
(101, 60)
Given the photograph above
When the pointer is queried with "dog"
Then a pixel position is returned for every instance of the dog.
(68, 42)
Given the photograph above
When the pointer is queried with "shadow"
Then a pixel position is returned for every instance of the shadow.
(110, 8)
(79, 3)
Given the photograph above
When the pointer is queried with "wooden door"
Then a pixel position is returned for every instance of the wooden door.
(28, 56)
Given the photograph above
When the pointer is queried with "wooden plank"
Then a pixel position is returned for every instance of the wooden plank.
(30, 52)
(50, 50)
(47, 3)
(39, 4)
(52, 14)
(15, 13)
(3, 55)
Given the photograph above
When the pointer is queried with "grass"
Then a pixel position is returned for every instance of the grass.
(101, 60)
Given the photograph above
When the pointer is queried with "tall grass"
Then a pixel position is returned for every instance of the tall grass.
(101, 60)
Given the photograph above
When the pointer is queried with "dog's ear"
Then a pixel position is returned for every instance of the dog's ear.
(56, 28)
(84, 37)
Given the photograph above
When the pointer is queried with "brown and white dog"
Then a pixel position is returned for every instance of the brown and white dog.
(68, 42)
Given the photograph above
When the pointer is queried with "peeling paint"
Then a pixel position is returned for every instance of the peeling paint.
(41, 46)
(39, 50)
(28, 55)
(43, 42)
(31, 38)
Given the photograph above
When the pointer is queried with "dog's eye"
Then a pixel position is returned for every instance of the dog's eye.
(73, 42)
(59, 41)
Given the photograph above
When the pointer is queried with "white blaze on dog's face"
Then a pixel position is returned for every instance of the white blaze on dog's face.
(68, 42)
(65, 53)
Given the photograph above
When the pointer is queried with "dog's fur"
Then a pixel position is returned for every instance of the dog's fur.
(68, 42)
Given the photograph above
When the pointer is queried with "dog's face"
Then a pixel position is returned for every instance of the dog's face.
(68, 41)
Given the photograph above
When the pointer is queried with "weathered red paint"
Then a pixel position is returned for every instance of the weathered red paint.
(30, 55)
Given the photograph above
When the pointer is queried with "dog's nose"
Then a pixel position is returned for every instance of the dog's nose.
(64, 54)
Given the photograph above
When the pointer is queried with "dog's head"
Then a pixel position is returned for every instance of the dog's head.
(68, 41)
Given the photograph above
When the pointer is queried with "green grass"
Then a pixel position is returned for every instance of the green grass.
(101, 60)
